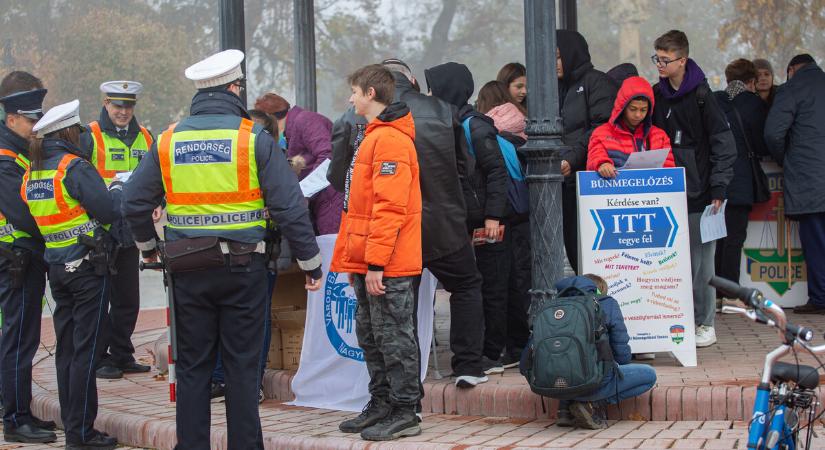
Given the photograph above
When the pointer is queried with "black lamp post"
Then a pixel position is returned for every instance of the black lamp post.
(232, 30)
(544, 130)
(304, 28)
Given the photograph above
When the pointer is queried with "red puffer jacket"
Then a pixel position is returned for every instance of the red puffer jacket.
(614, 142)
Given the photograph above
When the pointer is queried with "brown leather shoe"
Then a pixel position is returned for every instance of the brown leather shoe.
(809, 308)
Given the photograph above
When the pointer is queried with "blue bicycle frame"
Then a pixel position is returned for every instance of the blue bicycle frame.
(760, 433)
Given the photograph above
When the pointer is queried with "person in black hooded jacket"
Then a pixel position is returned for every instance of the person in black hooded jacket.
(586, 97)
(485, 192)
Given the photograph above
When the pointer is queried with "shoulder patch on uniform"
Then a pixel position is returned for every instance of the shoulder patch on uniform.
(388, 168)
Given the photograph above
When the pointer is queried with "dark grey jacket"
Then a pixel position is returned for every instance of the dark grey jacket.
(795, 136)
(442, 159)
(279, 185)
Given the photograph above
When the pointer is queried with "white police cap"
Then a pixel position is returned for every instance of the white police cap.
(57, 118)
(216, 70)
(122, 92)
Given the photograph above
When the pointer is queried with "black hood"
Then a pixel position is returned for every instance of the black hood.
(451, 82)
(394, 111)
(575, 55)
(622, 72)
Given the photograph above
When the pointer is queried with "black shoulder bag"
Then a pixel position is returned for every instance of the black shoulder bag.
(761, 191)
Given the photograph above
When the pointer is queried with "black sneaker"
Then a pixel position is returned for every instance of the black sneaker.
(44, 424)
(260, 396)
(134, 367)
(585, 416)
(470, 381)
(510, 359)
(217, 391)
(375, 410)
(491, 366)
(399, 423)
(28, 433)
(99, 441)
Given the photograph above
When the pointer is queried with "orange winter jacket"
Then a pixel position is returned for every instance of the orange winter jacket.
(381, 222)
(613, 143)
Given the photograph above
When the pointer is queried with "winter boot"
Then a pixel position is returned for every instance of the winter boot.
(400, 423)
(376, 409)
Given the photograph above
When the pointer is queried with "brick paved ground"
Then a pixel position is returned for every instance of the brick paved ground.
(136, 409)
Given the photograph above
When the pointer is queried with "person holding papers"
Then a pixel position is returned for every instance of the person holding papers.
(630, 129)
(307, 135)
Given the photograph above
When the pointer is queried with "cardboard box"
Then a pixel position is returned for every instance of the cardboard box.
(289, 291)
(291, 323)
(292, 340)
(275, 357)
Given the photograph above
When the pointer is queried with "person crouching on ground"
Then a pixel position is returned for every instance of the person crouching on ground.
(379, 245)
(630, 129)
(629, 380)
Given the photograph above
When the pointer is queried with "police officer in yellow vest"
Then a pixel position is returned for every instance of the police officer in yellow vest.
(116, 143)
(22, 268)
(223, 178)
(73, 209)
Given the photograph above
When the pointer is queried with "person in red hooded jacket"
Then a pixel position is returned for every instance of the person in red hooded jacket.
(630, 129)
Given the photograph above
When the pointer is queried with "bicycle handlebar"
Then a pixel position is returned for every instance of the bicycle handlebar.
(748, 295)
(802, 334)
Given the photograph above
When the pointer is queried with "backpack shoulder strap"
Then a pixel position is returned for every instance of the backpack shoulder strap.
(702, 92)
(466, 125)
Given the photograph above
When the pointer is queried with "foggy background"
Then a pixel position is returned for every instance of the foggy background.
(75, 45)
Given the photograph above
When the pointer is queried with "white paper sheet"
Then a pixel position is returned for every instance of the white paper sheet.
(650, 159)
(712, 225)
(122, 176)
(316, 181)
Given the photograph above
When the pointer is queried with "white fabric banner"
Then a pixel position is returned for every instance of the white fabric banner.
(633, 232)
(332, 373)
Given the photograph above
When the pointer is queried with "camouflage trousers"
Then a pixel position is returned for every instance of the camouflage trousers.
(384, 326)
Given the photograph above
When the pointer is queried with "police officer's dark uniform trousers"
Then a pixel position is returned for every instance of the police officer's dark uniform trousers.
(220, 299)
(22, 285)
(79, 206)
(126, 147)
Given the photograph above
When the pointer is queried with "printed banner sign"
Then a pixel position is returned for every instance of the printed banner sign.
(332, 373)
(633, 232)
(772, 259)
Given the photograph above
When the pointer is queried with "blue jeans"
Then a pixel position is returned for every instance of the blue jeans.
(635, 380)
(217, 374)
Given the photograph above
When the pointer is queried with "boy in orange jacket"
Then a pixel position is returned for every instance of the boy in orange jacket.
(379, 245)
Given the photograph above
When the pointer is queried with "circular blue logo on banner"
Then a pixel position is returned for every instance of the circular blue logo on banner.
(340, 307)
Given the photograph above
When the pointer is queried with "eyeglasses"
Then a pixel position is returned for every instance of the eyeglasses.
(241, 83)
(663, 62)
